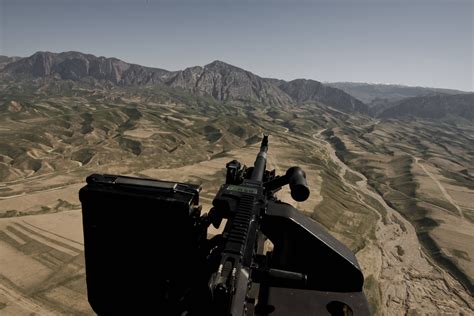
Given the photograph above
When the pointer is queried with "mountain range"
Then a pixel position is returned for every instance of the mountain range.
(225, 82)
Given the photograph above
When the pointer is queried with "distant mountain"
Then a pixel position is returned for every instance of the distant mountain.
(303, 90)
(226, 82)
(218, 79)
(433, 107)
(5, 60)
(378, 94)
(77, 66)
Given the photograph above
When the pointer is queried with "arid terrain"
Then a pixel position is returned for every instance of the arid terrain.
(398, 191)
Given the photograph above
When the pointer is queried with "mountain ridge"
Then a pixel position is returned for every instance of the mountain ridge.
(225, 82)
(74, 65)
(222, 81)
(432, 107)
(310, 90)
(5, 60)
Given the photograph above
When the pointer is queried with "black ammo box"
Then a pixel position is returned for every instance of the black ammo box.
(140, 242)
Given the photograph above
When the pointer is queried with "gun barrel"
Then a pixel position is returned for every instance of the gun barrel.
(261, 161)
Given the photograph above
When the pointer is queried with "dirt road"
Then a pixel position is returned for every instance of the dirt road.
(440, 186)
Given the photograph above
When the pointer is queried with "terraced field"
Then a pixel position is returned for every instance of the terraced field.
(43, 265)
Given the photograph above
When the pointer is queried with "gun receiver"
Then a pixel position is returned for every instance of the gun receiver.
(308, 271)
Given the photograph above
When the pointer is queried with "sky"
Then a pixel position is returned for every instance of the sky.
(419, 42)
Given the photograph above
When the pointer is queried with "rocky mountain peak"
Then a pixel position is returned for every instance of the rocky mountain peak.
(218, 65)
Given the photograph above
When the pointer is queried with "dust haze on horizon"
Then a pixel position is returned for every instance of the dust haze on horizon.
(416, 43)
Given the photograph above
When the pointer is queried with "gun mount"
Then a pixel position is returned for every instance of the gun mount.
(147, 250)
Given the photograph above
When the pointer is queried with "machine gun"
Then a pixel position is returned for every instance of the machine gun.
(147, 249)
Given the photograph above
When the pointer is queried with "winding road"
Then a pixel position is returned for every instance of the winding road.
(440, 186)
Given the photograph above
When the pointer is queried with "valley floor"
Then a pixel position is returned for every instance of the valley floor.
(42, 255)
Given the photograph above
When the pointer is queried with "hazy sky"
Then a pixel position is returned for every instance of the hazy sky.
(426, 43)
